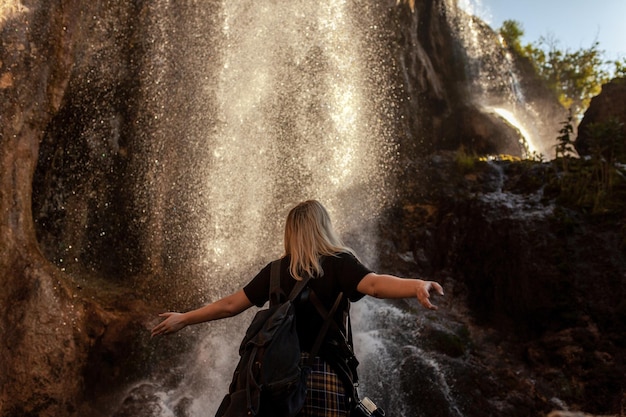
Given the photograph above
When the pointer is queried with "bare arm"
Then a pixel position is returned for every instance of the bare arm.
(389, 286)
(226, 307)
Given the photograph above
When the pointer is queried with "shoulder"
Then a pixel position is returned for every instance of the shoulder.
(348, 271)
(345, 259)
(257, 290)
(341, 257)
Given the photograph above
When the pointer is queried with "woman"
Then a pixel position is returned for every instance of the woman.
(312, 248)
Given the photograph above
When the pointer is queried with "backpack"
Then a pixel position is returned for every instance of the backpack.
(269, 379)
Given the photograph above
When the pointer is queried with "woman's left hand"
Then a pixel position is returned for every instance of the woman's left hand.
(423, 292)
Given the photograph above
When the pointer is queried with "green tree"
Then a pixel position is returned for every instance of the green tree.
(565, 146)
(576, 76)
(512, 33)
(619, 70)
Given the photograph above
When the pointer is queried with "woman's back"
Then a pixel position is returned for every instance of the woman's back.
(342, 274)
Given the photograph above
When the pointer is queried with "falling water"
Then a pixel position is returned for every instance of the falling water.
(528, 142)
(291, 104)
(250, 108)
(297, 118)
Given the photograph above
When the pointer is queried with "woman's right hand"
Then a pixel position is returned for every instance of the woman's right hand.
(225, 307)
(173, 322)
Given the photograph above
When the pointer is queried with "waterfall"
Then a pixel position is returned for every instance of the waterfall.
(283, 101)
(170, 139)
(297, 118)
(495, 82)
(276, 103)
(195, 126)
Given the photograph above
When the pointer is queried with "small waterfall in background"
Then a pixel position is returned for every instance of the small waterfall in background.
(495, 82)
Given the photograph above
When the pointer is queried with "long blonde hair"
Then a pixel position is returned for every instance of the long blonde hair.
(309, 235)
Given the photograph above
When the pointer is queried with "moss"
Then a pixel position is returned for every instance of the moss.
(450, 342)
(464, 161)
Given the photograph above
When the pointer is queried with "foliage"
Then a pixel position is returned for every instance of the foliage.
(606, 146)
(606, 139)
(575, 76)
(465, 161)
(535, 156)
(619, 68)
(565, 146)
(511, 33)
(596, 183)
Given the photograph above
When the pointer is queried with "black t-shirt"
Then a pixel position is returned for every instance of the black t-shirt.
(342, 273)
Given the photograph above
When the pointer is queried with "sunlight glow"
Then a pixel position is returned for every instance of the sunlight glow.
(513, 121)
(9, 9)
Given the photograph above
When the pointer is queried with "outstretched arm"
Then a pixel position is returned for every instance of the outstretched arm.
(389, 286)
(226, 307)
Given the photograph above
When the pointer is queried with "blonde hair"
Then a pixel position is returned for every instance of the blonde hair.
(309, 235)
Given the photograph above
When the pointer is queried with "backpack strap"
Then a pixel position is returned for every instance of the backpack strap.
(275, 290)
(345, 365)
(328, 320)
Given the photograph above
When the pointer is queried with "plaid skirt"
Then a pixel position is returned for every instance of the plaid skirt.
(326, 395)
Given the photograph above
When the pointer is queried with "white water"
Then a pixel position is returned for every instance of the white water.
(295, 110)
(297, 120)
(529, 139)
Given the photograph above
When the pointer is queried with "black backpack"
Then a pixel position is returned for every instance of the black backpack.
(269, 379)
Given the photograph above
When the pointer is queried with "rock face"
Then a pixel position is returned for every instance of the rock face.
(609, 105)
(457, 76)
(547, 279)
(74, 332)
(58, 335)
(42, 349)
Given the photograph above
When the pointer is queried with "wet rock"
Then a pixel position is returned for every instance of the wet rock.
(547, 279)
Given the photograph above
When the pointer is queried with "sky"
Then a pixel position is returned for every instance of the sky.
(574, 24)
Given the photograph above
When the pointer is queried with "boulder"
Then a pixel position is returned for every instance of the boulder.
(609, 105)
